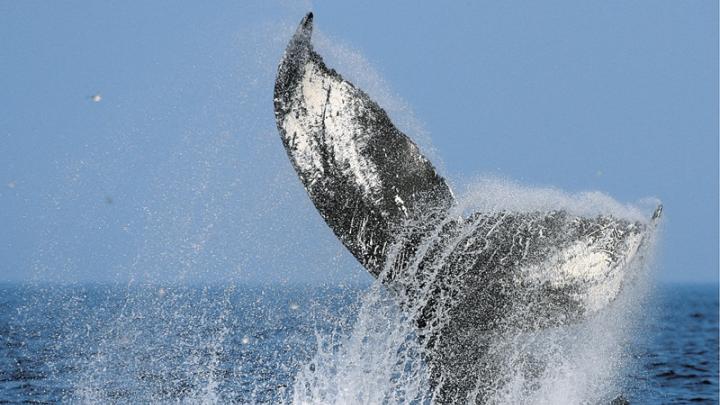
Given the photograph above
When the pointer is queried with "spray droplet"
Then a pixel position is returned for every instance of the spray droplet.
(245, 340)
(97, 97)
(294, 306)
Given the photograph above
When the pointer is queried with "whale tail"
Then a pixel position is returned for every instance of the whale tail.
(472, 277)
(365, 177)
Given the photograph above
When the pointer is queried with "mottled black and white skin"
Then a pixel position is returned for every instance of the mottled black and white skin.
(462, 279)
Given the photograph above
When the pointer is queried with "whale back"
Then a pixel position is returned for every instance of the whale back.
(365, 177)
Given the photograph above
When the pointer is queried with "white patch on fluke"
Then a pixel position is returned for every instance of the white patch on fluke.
(590, 266)
(400, 203)
(324, 121)
(305, 149)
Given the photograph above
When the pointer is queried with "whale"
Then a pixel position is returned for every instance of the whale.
(462, 278)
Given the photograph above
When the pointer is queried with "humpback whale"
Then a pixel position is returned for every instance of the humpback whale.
(462, 278)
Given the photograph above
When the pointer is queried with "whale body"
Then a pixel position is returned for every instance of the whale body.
(462, 278)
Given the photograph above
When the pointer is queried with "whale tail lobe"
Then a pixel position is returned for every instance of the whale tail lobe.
(365, 177)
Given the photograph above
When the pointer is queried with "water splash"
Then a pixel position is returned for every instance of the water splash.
(173, 344)
(379, 362)
(384, 360)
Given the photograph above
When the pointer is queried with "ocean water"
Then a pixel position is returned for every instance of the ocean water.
(241, 344)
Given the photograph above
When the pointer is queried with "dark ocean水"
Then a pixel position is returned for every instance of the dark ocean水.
(119, 344)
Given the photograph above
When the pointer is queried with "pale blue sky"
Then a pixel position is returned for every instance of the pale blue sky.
(178, 174)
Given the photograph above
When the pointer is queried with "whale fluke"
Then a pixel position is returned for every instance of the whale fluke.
(462, 280)
(364, 176)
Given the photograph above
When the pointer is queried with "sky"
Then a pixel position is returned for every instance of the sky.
(137, 139)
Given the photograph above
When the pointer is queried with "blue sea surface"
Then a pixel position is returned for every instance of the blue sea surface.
(677, 355)
(240, 344)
